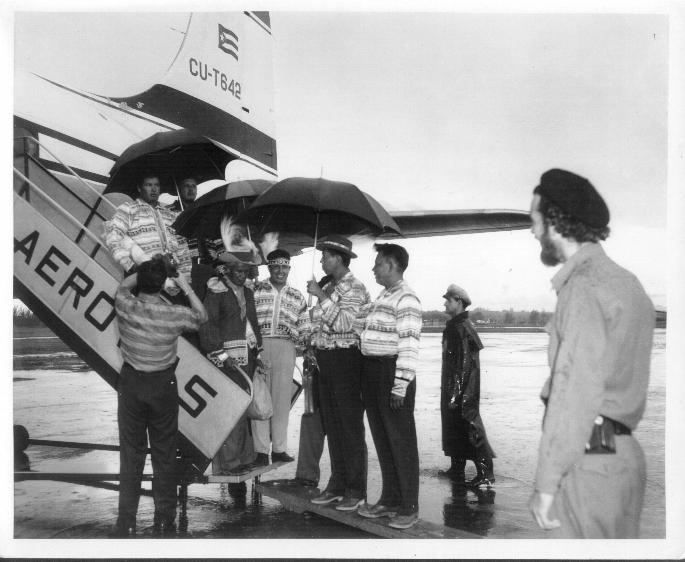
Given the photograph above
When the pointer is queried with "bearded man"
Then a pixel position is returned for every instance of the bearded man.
(591, 473)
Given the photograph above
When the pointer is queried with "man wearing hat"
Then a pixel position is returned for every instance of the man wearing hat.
(590, 476)
(463, 432)
(337, 354)
(230, 337)
(284, 325)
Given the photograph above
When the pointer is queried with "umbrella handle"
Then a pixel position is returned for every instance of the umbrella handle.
(249, 237)
(178, 193)
(316, 234)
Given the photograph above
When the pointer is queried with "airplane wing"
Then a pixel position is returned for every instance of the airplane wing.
(415, 224)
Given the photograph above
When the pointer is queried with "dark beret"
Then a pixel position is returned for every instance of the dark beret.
(278, 253)
(575, 196)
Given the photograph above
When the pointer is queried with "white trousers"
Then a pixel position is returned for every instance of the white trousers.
(280, 353)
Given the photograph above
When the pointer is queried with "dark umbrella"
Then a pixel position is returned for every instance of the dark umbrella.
(173, 155)
(203, 218)
(318, 207)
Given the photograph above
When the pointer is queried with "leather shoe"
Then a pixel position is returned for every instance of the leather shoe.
(262, 459)
(480, 481)
(377, 510)
(404, 521)
(350, 504)
(326, 498)
(281, 457)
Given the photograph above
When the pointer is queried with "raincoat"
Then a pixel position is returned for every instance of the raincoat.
(463, 432)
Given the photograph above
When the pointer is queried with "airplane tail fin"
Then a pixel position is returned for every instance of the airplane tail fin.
(220, 83)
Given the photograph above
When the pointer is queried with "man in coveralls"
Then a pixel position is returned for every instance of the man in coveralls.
(590, 477)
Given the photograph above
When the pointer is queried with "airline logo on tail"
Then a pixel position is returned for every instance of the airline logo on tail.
(228, 41)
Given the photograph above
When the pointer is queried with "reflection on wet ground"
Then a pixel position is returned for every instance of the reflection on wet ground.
(67, 362)
(72, 403)
(471, 509)
(64, 510)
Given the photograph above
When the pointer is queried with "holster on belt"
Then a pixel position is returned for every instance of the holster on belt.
(602, 439)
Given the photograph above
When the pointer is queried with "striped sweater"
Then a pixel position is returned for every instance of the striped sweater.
(333, 317)
(149, 331)
(139, 224)
(390, 326)
(282, 313)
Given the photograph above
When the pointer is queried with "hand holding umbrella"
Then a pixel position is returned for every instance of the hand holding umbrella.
(318, 207)
(172, 156)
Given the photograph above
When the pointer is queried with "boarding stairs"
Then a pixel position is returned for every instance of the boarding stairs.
(67, 277)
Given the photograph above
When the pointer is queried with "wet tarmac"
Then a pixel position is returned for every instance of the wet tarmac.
(73, 403)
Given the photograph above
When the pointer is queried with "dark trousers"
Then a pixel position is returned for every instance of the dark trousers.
(394, 434)
(148, 404)
(342, 416)
(238, 448)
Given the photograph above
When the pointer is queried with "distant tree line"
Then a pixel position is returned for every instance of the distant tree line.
(25, 318)
(487, 317)
(480, 316)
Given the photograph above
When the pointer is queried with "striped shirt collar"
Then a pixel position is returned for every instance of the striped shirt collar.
(393, 288)
(347, 277)
(140, 201)
(270, 284)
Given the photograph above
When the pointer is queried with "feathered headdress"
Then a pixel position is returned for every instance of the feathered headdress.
(234, 237)
(269, 243)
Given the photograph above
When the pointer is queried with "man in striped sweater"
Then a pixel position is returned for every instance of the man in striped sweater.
(142, 228)
(148, 395)
(338, 358)
(390, 329)
(284, 324)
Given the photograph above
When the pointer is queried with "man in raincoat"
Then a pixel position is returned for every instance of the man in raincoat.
(463, 432)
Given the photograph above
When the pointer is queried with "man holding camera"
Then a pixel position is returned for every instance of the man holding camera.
(148, 395)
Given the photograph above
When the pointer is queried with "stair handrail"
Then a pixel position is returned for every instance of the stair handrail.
(84, 182)
(93, 237)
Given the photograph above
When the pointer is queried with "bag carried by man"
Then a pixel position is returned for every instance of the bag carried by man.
(261, 407)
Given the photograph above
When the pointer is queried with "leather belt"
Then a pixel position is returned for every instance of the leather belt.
(619, 428)
(602, 438)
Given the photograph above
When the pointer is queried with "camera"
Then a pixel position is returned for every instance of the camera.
(170, 265)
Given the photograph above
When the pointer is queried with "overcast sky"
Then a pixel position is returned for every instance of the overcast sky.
(460, 111)
(448, 111)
